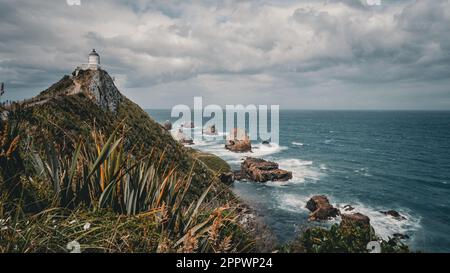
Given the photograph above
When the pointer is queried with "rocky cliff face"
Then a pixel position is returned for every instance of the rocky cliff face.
(102, 88)
(97, 85)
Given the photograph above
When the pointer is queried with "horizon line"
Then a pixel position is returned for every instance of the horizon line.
(347, 110)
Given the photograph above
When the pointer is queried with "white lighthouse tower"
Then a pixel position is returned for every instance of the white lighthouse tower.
(94, 60)
(92, 64)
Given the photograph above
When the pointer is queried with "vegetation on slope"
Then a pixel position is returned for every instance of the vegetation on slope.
(103, 199)
(353, 239)
(64, 118)
(74, 174)
(213, 162)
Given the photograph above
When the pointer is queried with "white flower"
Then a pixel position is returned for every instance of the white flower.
(87, 226)
(74, 247)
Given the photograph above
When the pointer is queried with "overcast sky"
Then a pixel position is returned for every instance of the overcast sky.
(309, 54)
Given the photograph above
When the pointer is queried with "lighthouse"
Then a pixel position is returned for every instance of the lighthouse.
(94, 60)
(92, 64)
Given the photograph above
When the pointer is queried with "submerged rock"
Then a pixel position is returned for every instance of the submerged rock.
(259, 170)
(238, 141)
(401, 236)
(321, 209)
(394, 214)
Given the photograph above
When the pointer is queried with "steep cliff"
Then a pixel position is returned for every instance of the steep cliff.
(97, 85)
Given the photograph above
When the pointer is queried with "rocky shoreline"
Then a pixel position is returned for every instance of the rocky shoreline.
(258, 170)
(321, 210)
(265, 239)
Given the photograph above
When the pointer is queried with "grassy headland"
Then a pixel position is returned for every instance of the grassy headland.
(82, 168)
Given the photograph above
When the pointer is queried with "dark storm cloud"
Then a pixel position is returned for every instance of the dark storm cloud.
(295, 53)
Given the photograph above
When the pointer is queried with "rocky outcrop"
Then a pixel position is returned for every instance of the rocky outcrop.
(321, 209)
(238, 141)
(227, 178)
(239, 176)
(395, 214)
(259, 170)
(167, 125)
(187, 141)
(97, 85)
(239, 146)
(400, 236)
(182, 138)
(211, 130)
(356, 220)
(348, 208)
(265, 239)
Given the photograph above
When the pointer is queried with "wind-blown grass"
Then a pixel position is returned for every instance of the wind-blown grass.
(108, 200)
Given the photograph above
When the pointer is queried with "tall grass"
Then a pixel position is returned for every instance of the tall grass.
(10, 159)
(99, 178)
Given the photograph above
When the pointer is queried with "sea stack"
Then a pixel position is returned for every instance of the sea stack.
(238, 141)
(321, 209)
(259, 170)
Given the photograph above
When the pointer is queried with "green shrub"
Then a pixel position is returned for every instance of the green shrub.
(339, 240)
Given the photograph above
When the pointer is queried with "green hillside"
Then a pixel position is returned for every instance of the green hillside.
(64, 118)
(81, 154)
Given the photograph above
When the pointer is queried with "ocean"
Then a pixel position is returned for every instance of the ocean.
(372, 160)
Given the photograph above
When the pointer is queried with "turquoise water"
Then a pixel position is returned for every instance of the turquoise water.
(371, 160)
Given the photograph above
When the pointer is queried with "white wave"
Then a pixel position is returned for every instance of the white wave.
(261, 150)
(302, 170)
(298, 144)
(292, 203)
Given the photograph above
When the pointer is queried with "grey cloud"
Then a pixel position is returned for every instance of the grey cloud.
(304, 48)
